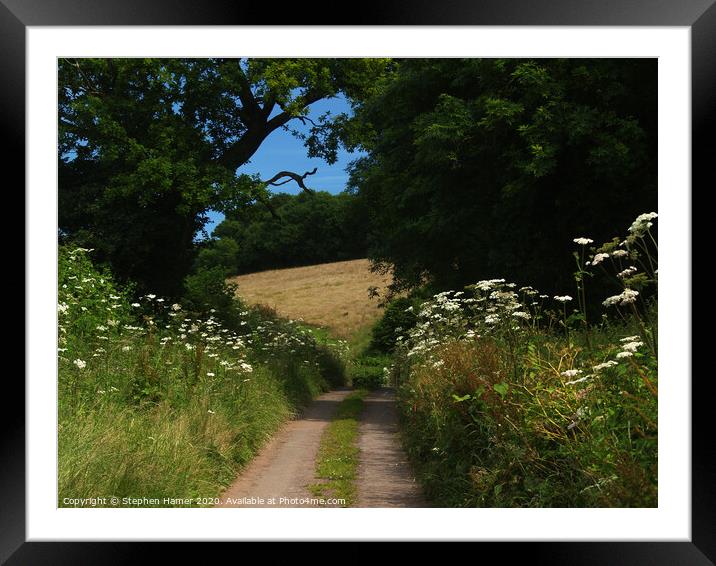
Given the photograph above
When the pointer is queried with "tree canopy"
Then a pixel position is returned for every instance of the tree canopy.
(148, 146)
(303, 229)
(484, 168)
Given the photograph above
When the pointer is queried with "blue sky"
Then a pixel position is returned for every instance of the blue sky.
(282, 151)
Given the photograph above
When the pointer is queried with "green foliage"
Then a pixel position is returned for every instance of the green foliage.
(368, 372)
(155, 400)
(305, 229)
(222, 252)
(507, 402)
(398, 318)
(206, 289)
(478, 168)
(88, 297)
(147, 146)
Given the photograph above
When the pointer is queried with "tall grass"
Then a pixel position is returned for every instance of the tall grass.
(157, 402)
(510, 398)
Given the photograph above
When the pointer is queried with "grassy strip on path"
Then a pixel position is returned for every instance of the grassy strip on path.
(337, 460)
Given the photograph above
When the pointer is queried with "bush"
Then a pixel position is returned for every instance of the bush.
(398, 318)
(207, 289)
(369, 371)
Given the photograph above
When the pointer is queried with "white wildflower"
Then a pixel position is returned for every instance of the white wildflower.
(80, 363)
(626, 297)
(632, 346)
(562, 298)
(621, 355)
(642, 223)
(599, 258)
(620, 253)
(629, 296)
(605, 365)
(571, 372)
(583, 241)
(627, 272)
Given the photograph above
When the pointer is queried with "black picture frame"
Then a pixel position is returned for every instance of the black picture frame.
(699, 15)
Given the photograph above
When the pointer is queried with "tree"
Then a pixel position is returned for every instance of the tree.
(304, 229)
(148, 146)
(488, 168)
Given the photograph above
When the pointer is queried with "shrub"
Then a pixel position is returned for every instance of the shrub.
(207, 289)
(369, 371)
(398, 318)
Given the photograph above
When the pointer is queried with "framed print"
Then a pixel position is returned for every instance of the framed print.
(279, 277)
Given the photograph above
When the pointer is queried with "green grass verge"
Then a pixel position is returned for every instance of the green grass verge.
(337, 461)
(162, 407)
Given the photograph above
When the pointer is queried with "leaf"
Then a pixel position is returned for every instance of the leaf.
(501, 388)
(461, 399)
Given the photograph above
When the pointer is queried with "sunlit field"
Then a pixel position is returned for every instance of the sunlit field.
(333, 295)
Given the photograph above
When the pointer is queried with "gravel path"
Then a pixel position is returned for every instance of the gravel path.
(384, 475)
(287, 464)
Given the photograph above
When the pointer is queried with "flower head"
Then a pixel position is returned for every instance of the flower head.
(599, 258)
(642, 223)
(605, 365)
(583, 241)
(626, 297)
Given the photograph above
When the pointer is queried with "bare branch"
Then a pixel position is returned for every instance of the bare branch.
(273, 181)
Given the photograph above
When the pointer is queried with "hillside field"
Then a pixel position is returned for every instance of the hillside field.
(332, 295)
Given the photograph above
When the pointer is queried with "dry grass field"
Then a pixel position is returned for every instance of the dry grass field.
(332, 295)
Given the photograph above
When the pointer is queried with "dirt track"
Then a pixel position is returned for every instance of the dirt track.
(384, 475)
(286, 465)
